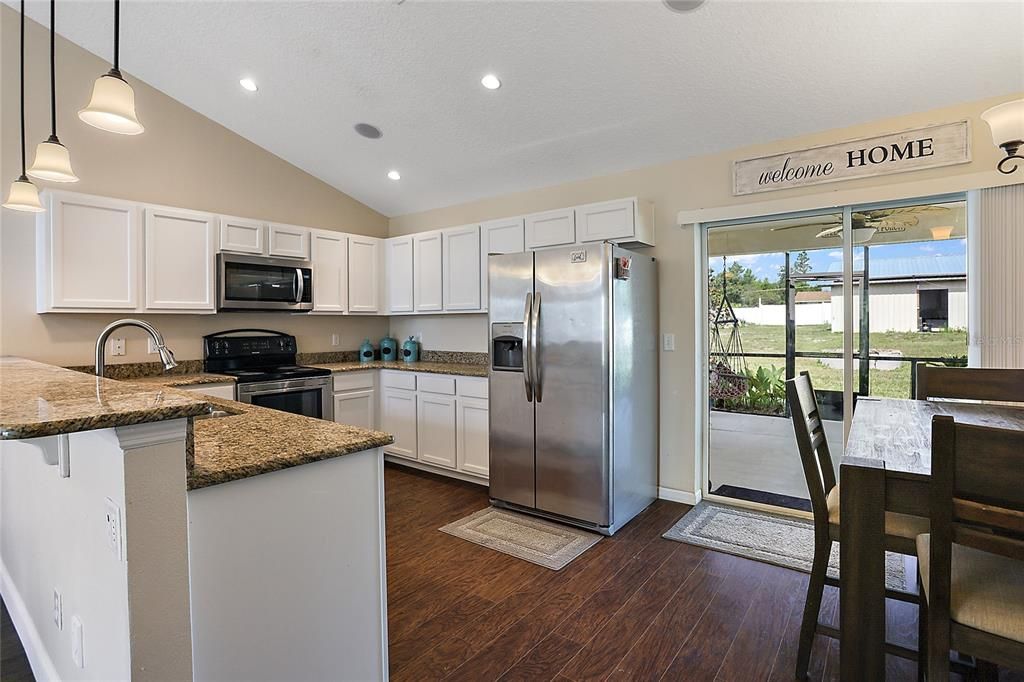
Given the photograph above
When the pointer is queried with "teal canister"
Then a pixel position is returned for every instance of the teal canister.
(411, 350)
(366, 351)
(388, 349)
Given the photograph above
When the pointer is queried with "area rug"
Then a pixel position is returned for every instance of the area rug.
(545, 543)
(772, 538)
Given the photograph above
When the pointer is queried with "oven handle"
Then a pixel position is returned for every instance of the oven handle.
(300, 285)
(288, 386)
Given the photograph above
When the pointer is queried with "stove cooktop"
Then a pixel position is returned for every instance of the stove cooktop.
(255, 355)
(275, 373)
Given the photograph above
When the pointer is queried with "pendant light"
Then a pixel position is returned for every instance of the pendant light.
(112, 107)
(24, 196)
(52, 159)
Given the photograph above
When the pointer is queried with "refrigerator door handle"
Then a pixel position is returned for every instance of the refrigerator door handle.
(527, 320)
(534, 364)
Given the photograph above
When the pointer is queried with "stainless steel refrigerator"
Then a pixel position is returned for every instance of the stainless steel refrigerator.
(574, 383)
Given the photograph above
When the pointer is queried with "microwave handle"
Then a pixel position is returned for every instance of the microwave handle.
(301, 285)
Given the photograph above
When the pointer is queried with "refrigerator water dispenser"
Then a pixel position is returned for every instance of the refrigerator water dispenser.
(507, 346)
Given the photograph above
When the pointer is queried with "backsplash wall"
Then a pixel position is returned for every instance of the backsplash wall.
(463, 332)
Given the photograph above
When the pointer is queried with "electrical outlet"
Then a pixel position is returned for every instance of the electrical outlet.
(58, 609)
(668, 342)
(151, 346)
(335, 340)
(77, 642)
(117, 345)
(113, 521)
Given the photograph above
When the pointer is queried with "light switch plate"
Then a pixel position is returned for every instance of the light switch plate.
(58, 609)
(668, 342)
(335, 340)
(77, 642)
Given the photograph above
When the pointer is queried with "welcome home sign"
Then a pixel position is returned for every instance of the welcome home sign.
(946, 144)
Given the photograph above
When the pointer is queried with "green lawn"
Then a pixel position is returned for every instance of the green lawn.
(891, 383)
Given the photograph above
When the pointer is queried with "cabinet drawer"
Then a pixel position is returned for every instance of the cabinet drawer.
(437, 384)
(351, 381)
(398, 379)
(472, 387)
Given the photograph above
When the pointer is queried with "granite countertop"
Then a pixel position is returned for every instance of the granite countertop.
(180, 380)
(39, 400)
(459, 368)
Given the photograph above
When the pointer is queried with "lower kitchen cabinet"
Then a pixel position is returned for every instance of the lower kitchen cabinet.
(355, 408)
(472, 433)
(435, 424)
(398, 417)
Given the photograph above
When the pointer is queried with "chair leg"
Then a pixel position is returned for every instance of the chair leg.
(812, 605)
(922, 632)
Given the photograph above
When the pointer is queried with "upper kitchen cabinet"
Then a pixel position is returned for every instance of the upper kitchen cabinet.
(628, 222)
(461, 267)
(550, 228)
(498, 236)
(288, 241)
(427, 272)
(330, 271)
(364, 263)
(241, 235)
(88, 251)
(398, 261)
(180, 248)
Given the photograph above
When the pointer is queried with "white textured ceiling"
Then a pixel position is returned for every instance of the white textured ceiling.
(589, 88)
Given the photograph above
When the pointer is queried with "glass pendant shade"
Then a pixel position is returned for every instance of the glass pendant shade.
(1006, 122)
(53, 162)
(24, 197)
(112, 107)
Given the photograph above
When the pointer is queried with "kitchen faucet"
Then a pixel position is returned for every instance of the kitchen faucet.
(166, 356)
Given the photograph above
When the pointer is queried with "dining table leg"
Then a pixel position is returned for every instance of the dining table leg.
(862, 570)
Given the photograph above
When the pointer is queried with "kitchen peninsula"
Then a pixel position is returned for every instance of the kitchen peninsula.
(169, 531)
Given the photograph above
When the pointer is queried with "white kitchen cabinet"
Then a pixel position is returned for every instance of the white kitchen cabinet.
(461, 267)
(225, 390)
(363, 274)
(398, 261)
(241, 235)
(623, 221)
(472, 436)
(398, 417)
(550, 228)
(498, 236)
(180, 248)
(355, 408)
(427, 272)
(435, 428)
(329, 252)
(88, 251)
(288, 241)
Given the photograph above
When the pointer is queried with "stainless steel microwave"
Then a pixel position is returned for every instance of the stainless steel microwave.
(257, 283)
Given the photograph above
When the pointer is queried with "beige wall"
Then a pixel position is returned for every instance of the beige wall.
(702, 183)
(183, 159)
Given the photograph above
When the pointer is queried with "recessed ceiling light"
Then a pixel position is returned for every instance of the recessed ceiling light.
(249, 84)
(490, 81)
(369, 131)
(394, 175)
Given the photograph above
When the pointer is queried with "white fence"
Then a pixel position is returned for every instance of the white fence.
(817, 313)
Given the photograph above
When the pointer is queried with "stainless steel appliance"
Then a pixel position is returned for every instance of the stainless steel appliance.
(258, 283)
(264, 368)
(573, 383)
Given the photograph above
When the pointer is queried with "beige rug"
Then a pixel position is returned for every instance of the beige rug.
(545, 543)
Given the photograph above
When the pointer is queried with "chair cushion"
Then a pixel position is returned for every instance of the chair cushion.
(900, 525)
(987, 590)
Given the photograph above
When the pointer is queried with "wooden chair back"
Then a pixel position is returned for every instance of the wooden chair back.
(970, 383)
(813, 446)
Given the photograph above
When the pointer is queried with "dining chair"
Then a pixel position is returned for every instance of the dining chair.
(970, 383)
(971, 564)
(900, 529)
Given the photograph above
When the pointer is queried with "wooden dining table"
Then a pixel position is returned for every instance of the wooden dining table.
(886, 466)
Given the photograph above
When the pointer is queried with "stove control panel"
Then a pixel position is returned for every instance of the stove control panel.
(225, 347)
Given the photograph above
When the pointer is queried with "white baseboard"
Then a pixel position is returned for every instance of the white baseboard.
(402, 461)
(683, 496)
(38, 659)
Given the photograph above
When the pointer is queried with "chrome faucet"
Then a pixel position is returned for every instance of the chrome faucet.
(166, 356)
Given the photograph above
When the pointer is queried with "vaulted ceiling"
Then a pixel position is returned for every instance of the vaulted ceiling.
(588, 88)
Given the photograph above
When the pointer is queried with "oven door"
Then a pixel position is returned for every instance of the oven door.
(255, 283)
(308, 397)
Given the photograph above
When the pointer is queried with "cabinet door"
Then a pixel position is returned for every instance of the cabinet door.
(550, 228)
(241, 235)
(461, 268)
(426, 270)
(435, 426)
(607, 220)
(88, 254)
(180, 252)
(398, 266)
(498, 236)
(288, 241)
(363, 274)
(473, 429)
(355, 408)
(330, 271)
(398, 417)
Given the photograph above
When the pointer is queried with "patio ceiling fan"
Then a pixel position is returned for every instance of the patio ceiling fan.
(866, 223)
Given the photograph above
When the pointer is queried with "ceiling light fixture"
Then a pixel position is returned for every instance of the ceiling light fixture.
(368, 131)
(249, 84)
(112, 107)
(490, 81)
(394, 175)
(23, 196)
(53, 162)
(683, 5)
(1006, 122)
(943, 232)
